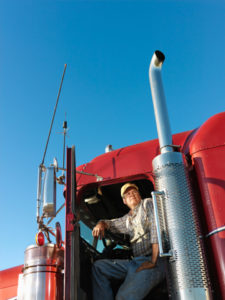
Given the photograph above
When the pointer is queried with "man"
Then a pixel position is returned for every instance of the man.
(145, 270)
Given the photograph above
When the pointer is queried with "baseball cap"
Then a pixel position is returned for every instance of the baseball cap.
(126, 186)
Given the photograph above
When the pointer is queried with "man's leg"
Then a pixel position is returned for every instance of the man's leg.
(138, 284)
(102, 271)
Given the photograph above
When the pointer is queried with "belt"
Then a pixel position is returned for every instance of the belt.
(147, 255)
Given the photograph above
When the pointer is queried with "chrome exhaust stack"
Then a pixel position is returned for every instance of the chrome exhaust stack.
(159, 102)
(176, 217)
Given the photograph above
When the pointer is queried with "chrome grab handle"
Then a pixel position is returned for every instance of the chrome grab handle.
(154, 194)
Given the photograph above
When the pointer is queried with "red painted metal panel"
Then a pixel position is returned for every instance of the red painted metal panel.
(207, 149)
(9, 282)
(125, 162)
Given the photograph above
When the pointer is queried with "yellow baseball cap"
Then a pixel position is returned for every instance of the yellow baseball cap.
(126, 186)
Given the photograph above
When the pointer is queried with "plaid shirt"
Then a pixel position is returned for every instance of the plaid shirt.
(140, 225)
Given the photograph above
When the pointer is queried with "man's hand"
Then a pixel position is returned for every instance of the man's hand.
(146, 265)
(99, 230)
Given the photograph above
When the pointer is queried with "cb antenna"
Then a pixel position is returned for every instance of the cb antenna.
(64, 139)
(53, 117)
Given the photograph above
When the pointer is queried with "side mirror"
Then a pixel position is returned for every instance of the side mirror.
(49, 192)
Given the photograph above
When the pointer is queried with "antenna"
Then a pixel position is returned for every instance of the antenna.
(64, 139)
(53, 117)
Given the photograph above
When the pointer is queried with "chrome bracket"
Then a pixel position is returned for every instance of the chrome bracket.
(154, 197)
(172, 146)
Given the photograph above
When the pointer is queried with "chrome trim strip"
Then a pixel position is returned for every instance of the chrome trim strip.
(216, 231)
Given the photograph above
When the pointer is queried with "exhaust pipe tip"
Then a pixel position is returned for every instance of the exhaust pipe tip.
(159, 58)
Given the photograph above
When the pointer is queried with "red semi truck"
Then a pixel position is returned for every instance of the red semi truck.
(185, 175)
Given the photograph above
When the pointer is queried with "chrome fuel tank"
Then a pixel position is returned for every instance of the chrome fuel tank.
(42, 275)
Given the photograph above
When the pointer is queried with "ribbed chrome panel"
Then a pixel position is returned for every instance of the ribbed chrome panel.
(180, 229)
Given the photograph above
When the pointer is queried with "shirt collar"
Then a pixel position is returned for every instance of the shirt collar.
(134, 211)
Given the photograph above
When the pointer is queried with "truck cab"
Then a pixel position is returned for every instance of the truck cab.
(184, 173)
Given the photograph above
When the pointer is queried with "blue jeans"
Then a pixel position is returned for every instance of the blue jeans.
(136, 285)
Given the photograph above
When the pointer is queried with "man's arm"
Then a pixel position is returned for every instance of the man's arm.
(117, 225)
(150, 264)
(99, 229)
(155, 253)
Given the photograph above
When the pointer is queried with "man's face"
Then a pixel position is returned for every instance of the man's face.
(131, 197)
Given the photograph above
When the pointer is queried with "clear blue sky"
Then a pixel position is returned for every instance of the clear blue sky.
(108, 46)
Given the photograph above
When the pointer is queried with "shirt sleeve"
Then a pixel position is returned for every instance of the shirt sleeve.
(150, 212)
(118, 225)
